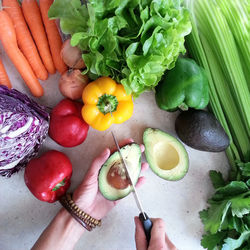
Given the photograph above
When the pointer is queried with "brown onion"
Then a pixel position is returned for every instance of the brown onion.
(72, 83)
(72, 56)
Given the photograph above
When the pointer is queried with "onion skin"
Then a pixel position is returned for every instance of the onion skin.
(72, 56)
(72, 84)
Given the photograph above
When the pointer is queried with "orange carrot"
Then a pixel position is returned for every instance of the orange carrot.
(24, 38)
(4, 79)
(55, 40)
(33, 18)
(9, 42)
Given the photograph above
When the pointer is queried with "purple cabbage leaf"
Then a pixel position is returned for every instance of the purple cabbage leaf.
(24, 126)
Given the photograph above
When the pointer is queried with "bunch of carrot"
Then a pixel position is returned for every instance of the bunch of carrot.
(31, 40)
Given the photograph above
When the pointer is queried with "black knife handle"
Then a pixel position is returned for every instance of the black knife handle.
(147, 225)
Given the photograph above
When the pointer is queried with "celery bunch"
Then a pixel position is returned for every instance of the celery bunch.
(220, 42)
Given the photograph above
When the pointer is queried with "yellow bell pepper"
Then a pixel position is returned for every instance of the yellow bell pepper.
(105, 103)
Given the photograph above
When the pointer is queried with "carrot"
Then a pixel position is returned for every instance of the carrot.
(33, 18)
(4, 79)
(9, 42)
(24, 38)
(55, 40)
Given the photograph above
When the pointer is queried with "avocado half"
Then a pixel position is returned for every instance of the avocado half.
(113, 183)
(166, 156)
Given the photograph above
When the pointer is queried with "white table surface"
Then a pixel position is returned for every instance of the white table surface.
(23, 217)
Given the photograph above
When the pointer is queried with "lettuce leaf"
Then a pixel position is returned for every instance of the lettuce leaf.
(133, 41)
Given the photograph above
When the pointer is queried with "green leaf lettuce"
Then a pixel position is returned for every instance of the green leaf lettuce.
(133, 41)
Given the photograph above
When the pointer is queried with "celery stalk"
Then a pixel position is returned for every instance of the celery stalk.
(237, 18)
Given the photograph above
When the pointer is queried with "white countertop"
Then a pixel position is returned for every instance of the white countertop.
(23, 217)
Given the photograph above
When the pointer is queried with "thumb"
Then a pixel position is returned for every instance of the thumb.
(97, 164)
(140, 238)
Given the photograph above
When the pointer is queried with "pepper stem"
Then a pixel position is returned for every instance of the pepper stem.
(60, 184)
(183, 106)
(107, 104)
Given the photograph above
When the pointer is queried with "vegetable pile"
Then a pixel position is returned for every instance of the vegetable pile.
(134, 42)
(220, 43)
(23, 127)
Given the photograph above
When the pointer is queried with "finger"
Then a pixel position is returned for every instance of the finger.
(121, 144)
(125, 142)
(144, 166)
(140, 238)
(170, 245)
(157, 240)
(140, 181)
(142, 148)
(96, 165)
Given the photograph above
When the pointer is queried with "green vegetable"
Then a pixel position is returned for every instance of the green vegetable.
(184, 86)
(220, 43)
(133, 41)
(227, 221)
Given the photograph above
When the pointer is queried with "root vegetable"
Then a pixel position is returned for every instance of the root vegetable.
(9, 42)
(72, 56)
(24, 39)
(72, 83)
(34, 20)
(54, 38)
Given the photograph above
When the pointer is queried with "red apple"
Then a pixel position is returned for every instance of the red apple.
(67, 127)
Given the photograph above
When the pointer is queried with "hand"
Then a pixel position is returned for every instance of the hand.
(87, 196)
(159, 239)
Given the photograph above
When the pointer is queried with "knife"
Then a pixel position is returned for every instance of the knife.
(146, 222)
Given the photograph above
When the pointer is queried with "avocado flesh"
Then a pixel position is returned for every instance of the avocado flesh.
(132, 156)
(161, 149)
(166, 156)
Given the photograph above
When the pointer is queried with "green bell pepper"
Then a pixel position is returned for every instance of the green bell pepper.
(184, 86)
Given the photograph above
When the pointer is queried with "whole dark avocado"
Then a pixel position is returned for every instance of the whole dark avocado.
(201, 130)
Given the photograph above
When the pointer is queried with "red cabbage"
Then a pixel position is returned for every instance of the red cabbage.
(24, 126)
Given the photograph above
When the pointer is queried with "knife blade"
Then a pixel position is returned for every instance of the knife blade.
(146, 222)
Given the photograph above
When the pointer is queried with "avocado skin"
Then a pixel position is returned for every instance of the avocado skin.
(201, 130)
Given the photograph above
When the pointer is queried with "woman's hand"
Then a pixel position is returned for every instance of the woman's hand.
(159, 239)
(87, 196)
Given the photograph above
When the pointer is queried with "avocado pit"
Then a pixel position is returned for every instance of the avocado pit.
(116, 176)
